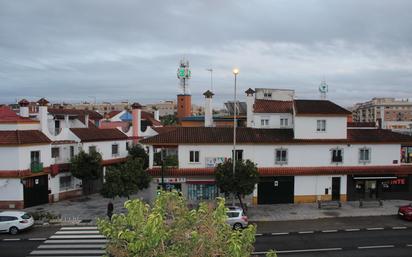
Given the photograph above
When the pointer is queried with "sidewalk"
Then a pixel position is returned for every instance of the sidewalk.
(87, 209)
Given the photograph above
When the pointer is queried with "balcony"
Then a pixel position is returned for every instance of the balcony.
(36, 167)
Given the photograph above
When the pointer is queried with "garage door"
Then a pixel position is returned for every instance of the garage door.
(275, 190)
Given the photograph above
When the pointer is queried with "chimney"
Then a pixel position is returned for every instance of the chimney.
(136, 121)
(250, 100)
(43, 115)
(382, 124)
(86, 120)
(157, 115)
(24, 108)
(208, 108)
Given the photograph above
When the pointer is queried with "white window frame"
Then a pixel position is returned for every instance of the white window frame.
(320, 125)
(115, 154)
(284, 122)
(194, 156)
(58, 152)
(281, 162)
(331, 155)
(369, 155)
(264, 122)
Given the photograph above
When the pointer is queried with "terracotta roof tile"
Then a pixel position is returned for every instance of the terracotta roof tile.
(323, 107)
(23, 137)
(9, 116)
(95, 134)
(361, 125)
(64, 111)
(222, 135)
(273, 106)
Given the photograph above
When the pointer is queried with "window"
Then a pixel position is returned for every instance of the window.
(201, 191)
(55, 152)
(35, 156)
(127, 146)
(115, 149)
(66, 183)
(71, 152)
(264, 122)
(284, 122)
(239, 154)
(194, 156)
(281, 156)
(364, 155)
(321, 125)
(337, 155)
(7, 218)
(92, 149)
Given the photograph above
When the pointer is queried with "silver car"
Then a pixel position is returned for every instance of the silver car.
(236, 217)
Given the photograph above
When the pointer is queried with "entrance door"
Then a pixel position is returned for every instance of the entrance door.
(370, 189)
(336, 189)
(36, 191)
(276, 190)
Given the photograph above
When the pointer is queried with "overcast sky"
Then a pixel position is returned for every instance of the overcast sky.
(75, 50)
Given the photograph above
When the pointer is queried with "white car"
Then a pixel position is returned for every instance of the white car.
(236, 217)
(14, 221)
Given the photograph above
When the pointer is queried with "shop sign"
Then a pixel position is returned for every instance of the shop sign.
(214, 161)
(171, 180)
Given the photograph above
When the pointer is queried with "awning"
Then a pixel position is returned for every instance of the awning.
(201, 182)
(371, 178)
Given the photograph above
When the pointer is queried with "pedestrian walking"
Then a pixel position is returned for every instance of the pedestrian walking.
(110, 210)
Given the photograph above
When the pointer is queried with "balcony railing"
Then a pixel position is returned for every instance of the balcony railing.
(36, 167)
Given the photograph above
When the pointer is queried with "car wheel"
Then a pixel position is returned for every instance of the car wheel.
(237, 226)
(13, 230)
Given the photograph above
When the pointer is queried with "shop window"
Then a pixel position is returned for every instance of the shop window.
(364, 155)
(281, 156)
(395, 185)
(199, 192)
(337, 155)
(194, 156)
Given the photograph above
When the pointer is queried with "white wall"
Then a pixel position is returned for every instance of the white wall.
(274, 120)
(20, 126)
(11, 189)
(305, 127)
(105, 148)
(298, 155)
(18, 158)
(316, 185)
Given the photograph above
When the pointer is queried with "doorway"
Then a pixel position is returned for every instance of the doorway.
(336, 189)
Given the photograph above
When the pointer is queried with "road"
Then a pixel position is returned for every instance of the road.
(361, 236)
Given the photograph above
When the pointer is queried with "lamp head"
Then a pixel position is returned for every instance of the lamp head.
(235, 71)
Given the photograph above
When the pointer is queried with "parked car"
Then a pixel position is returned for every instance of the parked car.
(236, 217)
(405, 212)
(14, 221)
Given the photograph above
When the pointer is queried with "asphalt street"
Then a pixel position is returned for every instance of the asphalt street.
(370, 236)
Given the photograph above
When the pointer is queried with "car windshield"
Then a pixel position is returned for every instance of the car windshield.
(26, 216)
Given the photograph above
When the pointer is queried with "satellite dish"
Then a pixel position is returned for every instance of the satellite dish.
(323, 87)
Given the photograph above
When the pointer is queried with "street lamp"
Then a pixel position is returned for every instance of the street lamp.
(235, 72)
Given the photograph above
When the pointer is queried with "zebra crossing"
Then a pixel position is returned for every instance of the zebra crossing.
(72, 242)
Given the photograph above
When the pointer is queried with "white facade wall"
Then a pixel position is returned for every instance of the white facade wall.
(18, 157)
(11, 189)
(298, 155)
(274, 120)
(105, 148)
(305, 127)
(54, 184)
(20, 126)
(316, 185)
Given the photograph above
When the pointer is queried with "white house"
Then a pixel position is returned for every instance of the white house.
(303, 149)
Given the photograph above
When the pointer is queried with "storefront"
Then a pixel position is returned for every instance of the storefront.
(379, 187)
(406, 154)
(170, 184)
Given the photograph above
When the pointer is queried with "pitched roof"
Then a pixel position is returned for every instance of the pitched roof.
(322, 107)
(273, 106)
(23, 137)
(63, 111)
(111, 114)
(361, 125)
(95, 134)
(288, 171)
(224, 135)
(9, 116)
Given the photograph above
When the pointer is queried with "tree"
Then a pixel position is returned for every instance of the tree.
(168, 120)
(241, 183)
(170, 229)
(125, 179)
(87, 167)
(137, 152)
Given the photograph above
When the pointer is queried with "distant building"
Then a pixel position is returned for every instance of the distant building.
(168, 107)
(389, 113)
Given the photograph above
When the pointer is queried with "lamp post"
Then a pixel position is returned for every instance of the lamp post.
(235, 72)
